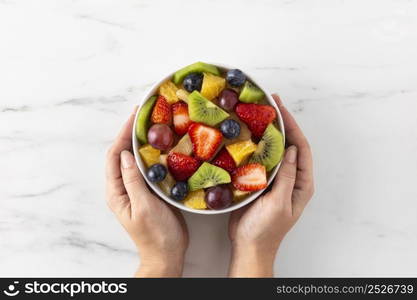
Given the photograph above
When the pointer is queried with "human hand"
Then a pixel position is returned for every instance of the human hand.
(158, 230)
(257, 230)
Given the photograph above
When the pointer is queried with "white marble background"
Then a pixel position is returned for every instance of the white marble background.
(71, 71)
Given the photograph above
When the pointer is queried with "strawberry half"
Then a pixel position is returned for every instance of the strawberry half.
(181, 166)
(206, 140)
(224, 160)
(250, 177)
(180, 117)
(162, 111)
(256, 116)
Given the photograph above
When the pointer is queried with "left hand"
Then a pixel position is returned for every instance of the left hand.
(157, 229)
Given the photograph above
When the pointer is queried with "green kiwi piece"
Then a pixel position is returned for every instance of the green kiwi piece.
(270, 148)
(142, 123)
(251, 93)
(204, 111)
(206, 176)
(198, 67)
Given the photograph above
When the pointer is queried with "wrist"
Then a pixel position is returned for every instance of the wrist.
(251, 260)
(158, 266)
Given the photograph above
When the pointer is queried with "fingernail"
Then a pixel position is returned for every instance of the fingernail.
(135, 108)
(291, 154)
(127, 159)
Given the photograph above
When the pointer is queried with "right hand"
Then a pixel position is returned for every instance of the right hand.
(257, 230)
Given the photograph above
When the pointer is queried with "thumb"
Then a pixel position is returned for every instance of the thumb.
(285, 181)
(132, 179)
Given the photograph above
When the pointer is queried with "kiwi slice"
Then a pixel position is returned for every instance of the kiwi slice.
(270, 149)
(198, 67)
(142, 123)
(204, 111)
(206, 176)
(251, 93)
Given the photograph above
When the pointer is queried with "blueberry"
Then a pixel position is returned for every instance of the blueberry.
(193, 82)
(235, 77)
(157, 173)
(179, 191)
(230, 128)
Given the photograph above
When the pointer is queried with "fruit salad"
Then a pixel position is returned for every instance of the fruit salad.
(208, 137)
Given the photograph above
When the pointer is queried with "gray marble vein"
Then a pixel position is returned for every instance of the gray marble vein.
(92, 101)
(76, 240)
(22, 108)
(105, 22)
(42, 193)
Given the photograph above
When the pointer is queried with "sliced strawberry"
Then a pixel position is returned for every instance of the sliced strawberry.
(256, 116)
(206, 140)
(181, 166)
(224, 160)
(180, 117)
(162, 111)
(250, 177)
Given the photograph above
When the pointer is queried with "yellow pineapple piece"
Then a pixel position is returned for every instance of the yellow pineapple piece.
(195, 200)
(212, 86)
(245, 133)
(163, 160)
(169, 90)
(167, 184)
(169, 181)
(182, 95)
(149, 155)
(239, 195)
(184, 146)
(240, 151)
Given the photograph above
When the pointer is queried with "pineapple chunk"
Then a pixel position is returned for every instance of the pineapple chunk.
(245, 133)
(212, 86)
(149, 154)
(182, 95)
(239, 195)
(163, 160)
(240, 151)
(169, 90)
(169, 181)
(167, 184)
(184, 146)
(195, 200)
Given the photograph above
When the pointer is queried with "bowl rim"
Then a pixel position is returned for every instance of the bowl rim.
(135, 145)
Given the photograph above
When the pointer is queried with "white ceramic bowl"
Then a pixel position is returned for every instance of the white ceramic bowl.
(156, 188)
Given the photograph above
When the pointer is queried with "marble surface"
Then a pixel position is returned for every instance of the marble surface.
(71, 71)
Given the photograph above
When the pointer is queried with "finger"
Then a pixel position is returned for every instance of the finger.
(300, 200)
(295, 136)
(285, 180)
(133, 181)
(114, 188)
(293, 133)
(277, 99)
(120, 206)
(122, 142)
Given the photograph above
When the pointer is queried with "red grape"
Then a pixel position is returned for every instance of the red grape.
(228, 99)
(219, 197)
(160, 136)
